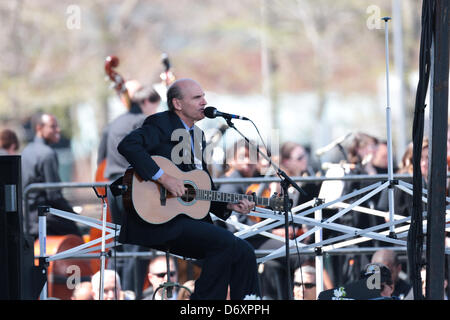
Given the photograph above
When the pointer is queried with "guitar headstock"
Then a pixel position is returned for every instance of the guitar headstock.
(276, 202)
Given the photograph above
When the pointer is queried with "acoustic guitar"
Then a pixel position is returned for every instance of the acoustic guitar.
(154, 204)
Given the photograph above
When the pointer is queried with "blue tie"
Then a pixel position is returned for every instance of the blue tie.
(191, 131)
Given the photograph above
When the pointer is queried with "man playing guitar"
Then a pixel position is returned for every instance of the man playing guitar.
(227, 261)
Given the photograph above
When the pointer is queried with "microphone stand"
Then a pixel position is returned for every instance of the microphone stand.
(286, 181)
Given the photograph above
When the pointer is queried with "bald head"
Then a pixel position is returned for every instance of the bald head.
(186, 98)
(46, 127)
(385, 256)
(390, 260)
(176, 91)
(83, 291)
(111, 285)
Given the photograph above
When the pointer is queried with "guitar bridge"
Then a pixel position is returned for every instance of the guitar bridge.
(162, 195)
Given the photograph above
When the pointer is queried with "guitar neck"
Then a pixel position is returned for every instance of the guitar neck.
(229, 197)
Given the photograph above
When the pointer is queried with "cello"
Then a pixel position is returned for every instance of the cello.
(63, 274)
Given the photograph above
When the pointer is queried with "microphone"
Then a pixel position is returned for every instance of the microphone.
(333, 144)
(211, 112)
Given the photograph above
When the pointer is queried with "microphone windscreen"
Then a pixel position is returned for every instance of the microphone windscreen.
(210, 112)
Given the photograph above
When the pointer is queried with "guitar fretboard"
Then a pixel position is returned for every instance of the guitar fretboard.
(229, 197)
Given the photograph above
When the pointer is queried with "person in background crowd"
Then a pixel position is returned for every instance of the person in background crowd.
(402, 200)
(184, 294)
(144, 102)
(305, 283)
(389, 259)
(423, 276)
(157, 275)
(385, 280)
(40, 164)
(379, 165)
(360, 154)
(240, 165)
(111, 286)
(9, 143)
(380, 158)
(83, 291)
(294, 160)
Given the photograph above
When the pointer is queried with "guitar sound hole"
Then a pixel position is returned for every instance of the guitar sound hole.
(190, 193)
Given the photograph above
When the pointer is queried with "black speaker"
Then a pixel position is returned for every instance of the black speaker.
(19, 278)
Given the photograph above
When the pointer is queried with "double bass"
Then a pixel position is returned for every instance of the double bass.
(111, 62)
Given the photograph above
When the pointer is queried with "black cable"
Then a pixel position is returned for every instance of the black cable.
(298, 256)
(115, 260)
(415, 233)
(267, 149)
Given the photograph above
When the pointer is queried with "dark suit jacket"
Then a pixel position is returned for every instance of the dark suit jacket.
(40, 164)
(155, 138)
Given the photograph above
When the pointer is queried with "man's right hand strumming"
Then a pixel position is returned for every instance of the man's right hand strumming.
(175, 186)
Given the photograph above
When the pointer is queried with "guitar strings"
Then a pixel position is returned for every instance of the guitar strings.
(193, 192)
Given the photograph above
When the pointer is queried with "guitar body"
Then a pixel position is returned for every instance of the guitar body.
(145, 196)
